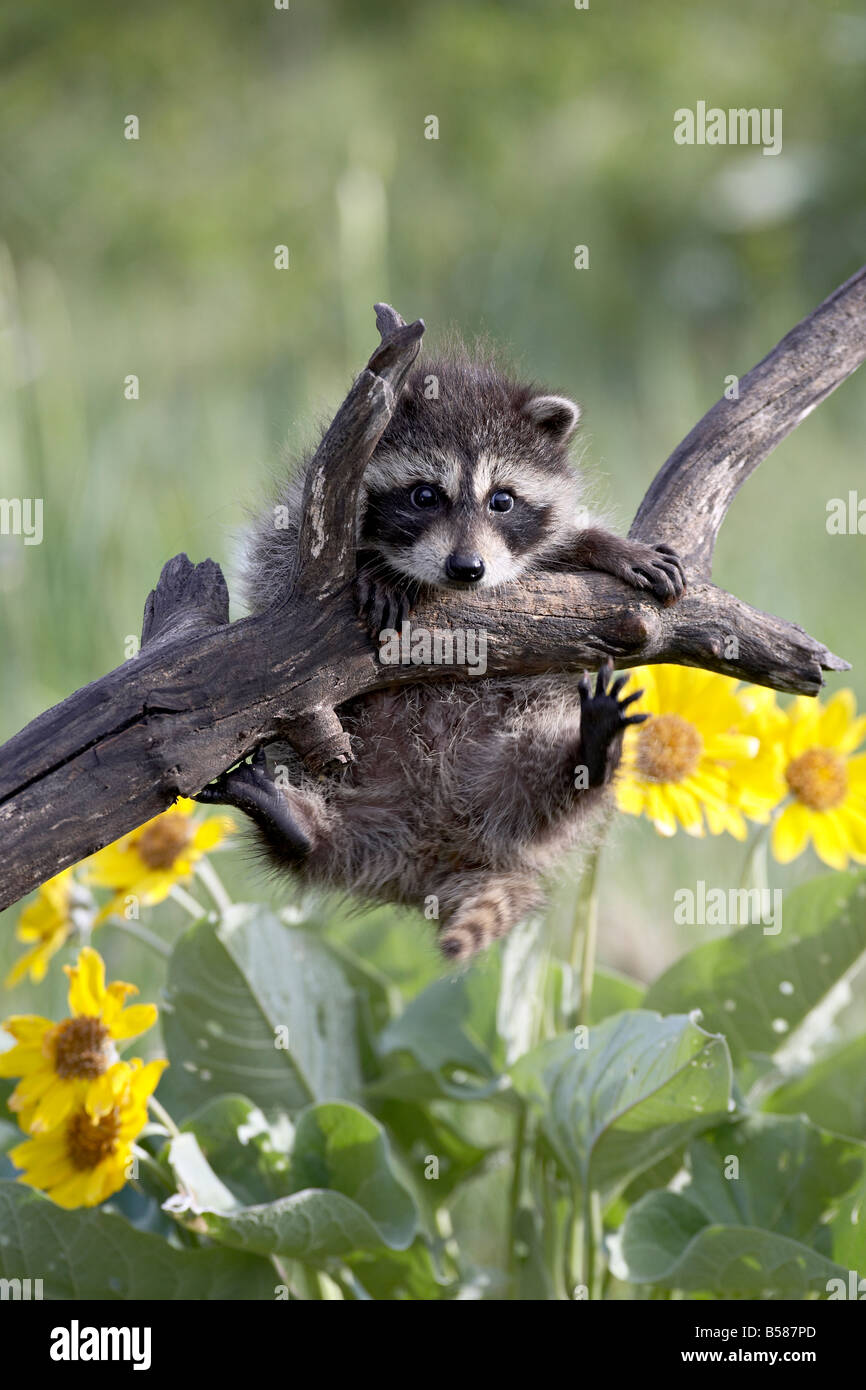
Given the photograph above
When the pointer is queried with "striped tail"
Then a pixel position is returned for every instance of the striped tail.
(479, 921)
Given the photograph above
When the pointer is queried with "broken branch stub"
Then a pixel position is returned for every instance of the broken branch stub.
(328, 539)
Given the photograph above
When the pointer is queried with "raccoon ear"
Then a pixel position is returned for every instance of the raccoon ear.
(557, 416)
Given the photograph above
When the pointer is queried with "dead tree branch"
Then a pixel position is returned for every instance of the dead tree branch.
(202, 693)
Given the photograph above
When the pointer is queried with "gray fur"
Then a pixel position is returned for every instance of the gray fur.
(462, 794)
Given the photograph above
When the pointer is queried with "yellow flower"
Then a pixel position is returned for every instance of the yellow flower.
(827, 783)
(151, 860)
(68, 1065)
(762, 785)
(88, 1157)
(687, 764)
(48, 921)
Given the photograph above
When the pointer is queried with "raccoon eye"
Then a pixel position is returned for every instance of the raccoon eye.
(501, 502)
(424, 496)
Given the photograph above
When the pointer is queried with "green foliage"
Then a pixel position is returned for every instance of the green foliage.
(757, 997)
(480, 1144)
(639, 1087)
(759, 1231)
(231, 986)
(96, 1254)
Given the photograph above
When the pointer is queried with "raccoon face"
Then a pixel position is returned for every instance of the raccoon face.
(474, 513)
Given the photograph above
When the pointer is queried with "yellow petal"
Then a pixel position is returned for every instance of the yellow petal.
(86, 983)
(73, 1192)
(804, 717)
(31, 1089)
(29, 1029)
(145, 1082)
(686, 808)
(854, 820)
(213, 831)
(36, 961)
(853, 735)
(134, 1020)
(117, 866)
(829, 840)
(108, 1090)
(660, 811)
(115, 997)
(58, 1102)
(629, 797)
(791, 832)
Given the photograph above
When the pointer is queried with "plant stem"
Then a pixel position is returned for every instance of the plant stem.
(591, 1234)
(755, 873)
(213, 883)
(187, 901)
(583, 939)
(163, 1116)
(142, 934)
(150, 1163)
(284, 1277)
(516, 1187)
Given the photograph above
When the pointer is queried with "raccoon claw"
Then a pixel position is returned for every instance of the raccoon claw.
(654, 567)
(603, 719)
(250, 788)
(380, 606)
(657, 568)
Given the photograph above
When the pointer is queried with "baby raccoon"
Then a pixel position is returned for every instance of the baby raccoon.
(462, 794)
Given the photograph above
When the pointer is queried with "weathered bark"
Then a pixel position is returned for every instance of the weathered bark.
(202, 693)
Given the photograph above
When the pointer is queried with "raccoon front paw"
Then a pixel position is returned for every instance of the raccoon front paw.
(603, 720)
(380, 605)
(654, 567)
(250, 788)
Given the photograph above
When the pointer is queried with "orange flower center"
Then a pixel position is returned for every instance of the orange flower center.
(818, 778)
(81, 1048)
(88, 1142)
(161, 843)
(669, 748)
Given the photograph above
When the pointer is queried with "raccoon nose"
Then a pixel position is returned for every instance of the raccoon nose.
(467, 568)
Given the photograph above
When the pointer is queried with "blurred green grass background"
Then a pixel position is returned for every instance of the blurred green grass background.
(305, 127)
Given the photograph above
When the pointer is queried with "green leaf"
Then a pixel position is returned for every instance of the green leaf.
(457, 1037)
(452, 1024)
(641, 1088)
(421, 1131)
(769, 1232)
(613, 993)
(390, 941)
(345, 1196)
(667, 1243)
(93, 1254)
(235, 989)
(401, 1274)
(248, 1150)
(831, 1092)
(755, 988)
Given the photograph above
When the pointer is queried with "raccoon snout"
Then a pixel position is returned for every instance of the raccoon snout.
(468, 569)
